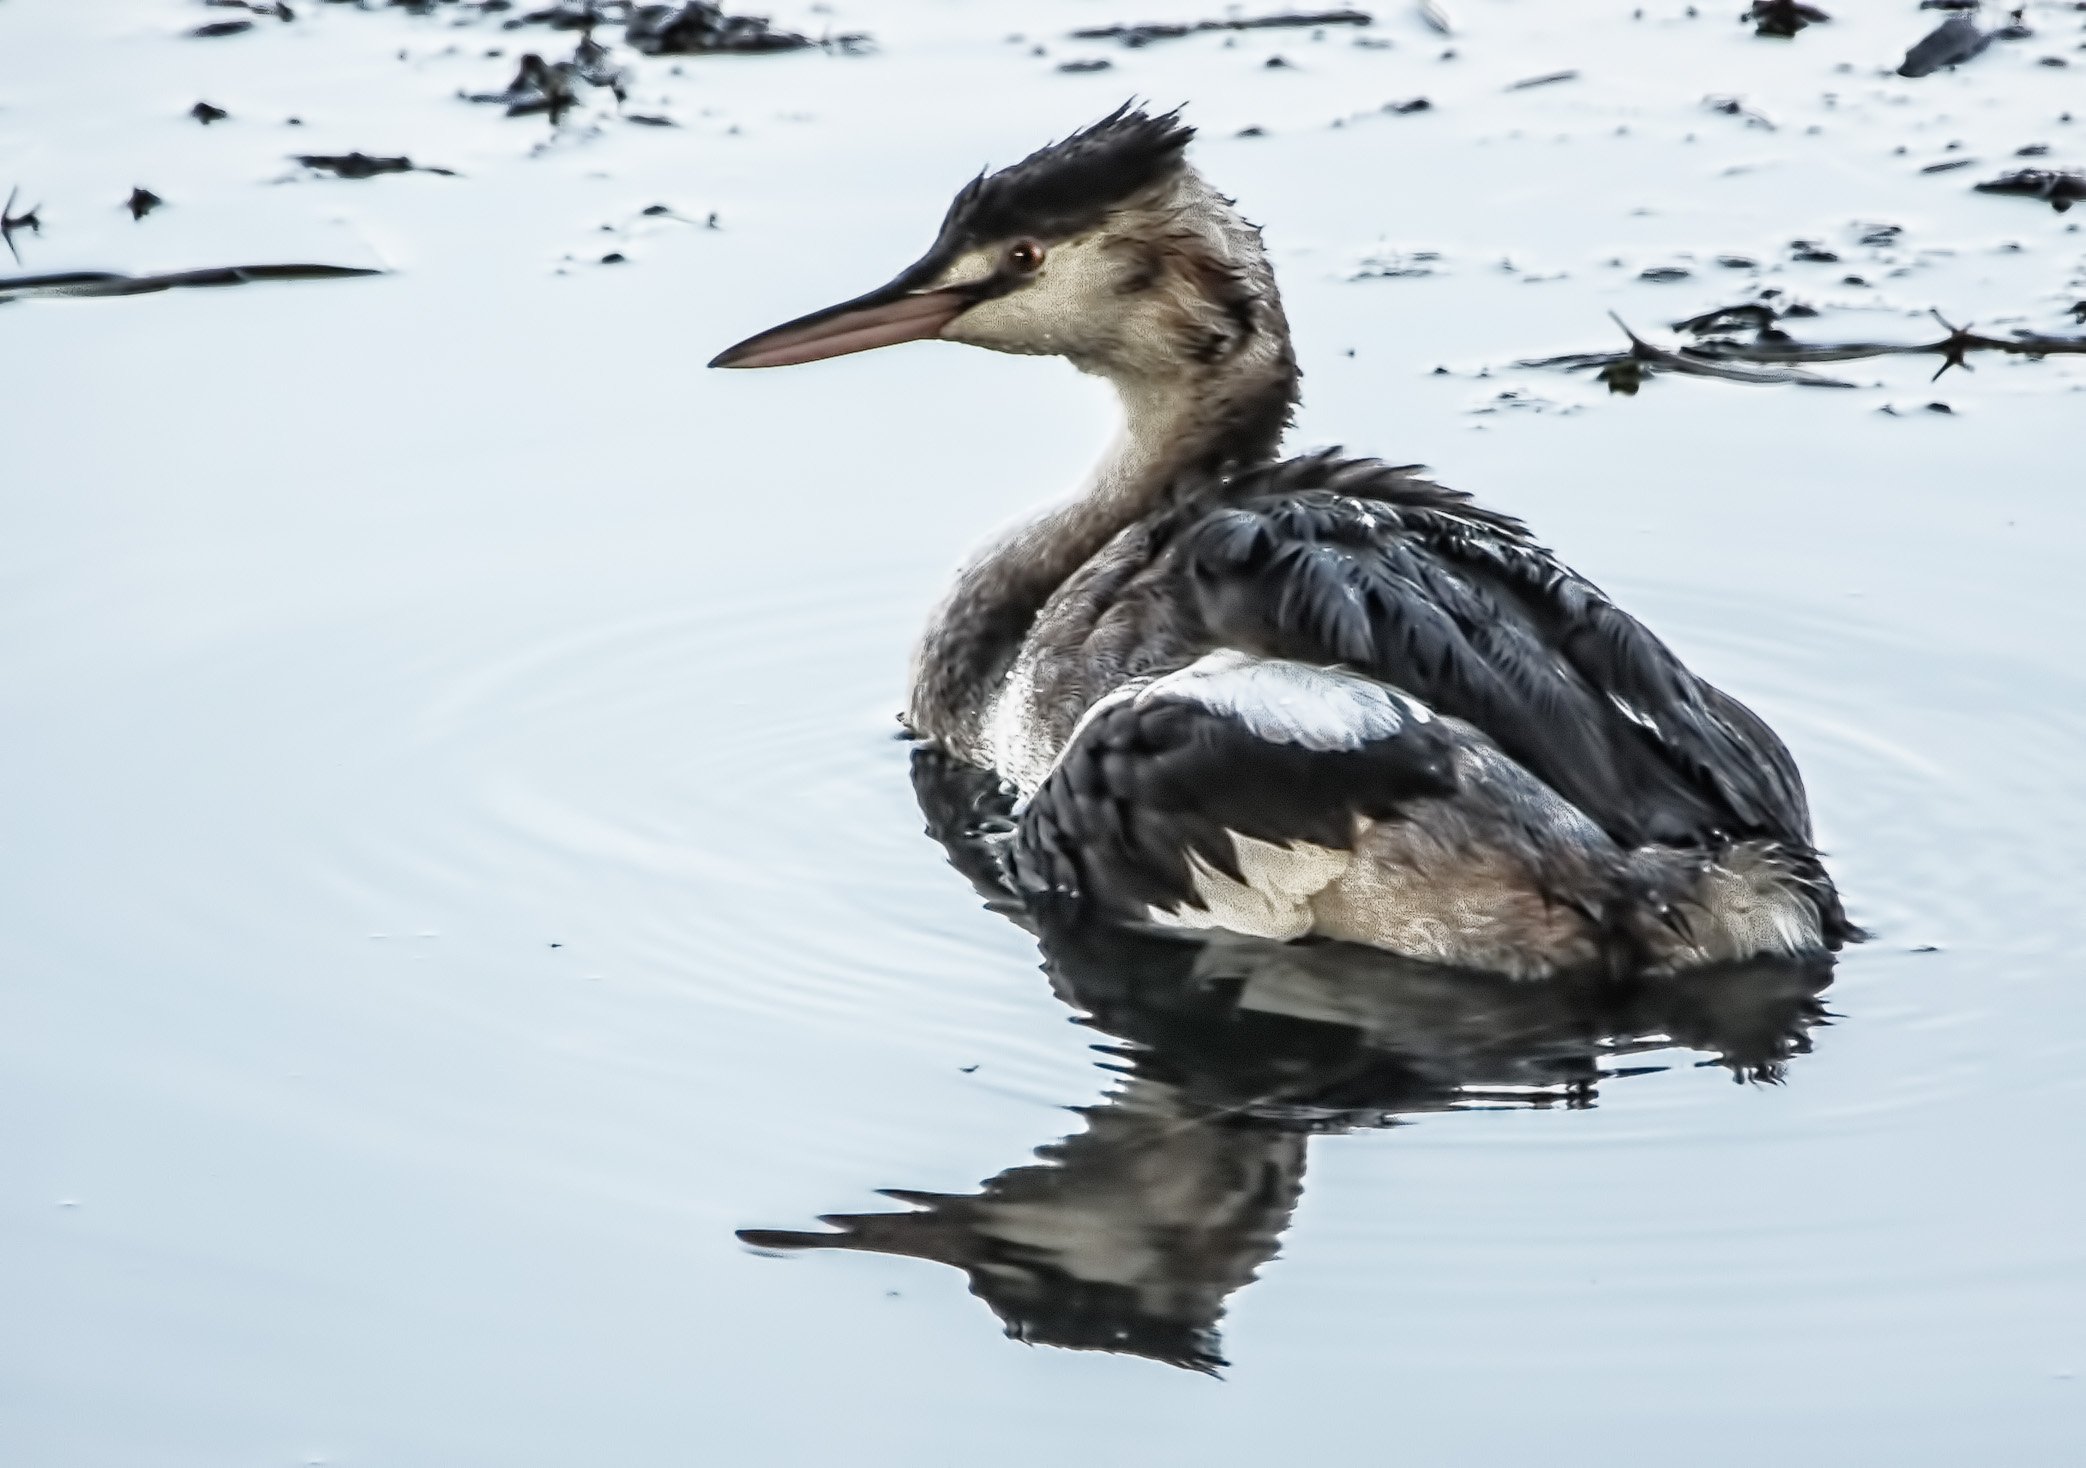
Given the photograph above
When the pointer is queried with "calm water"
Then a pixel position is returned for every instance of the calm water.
(460, 872)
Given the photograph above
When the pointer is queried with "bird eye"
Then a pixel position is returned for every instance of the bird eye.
(1025, 256)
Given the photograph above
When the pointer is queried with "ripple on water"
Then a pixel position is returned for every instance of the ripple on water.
(725, 803)
(729, 799)
(1938, 777)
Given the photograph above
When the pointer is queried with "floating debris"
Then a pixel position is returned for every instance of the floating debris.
(1144, 35)
(1782, 18)
(110, 283)
(206, 114)
(1407, 107)
(142, 201)
(595, 65)
(1542, 81)
(1518, 400)
(537, 86)
(1772, 355)
(553, 86)
(362, 165)
(11, 221)
(1953, 42)
(1665, 274)
(572, 15)
(1757, 315)
(703, 29)
(1948, 165)
(1086, 63)
(1394, 266)
(220, 28)
(2060, 188)
(1625, 372)
(1736, 107)
(1435, 16)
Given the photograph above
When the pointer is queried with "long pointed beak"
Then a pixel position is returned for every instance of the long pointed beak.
(883, 317)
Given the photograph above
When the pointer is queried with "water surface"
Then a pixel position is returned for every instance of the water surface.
(461, 870)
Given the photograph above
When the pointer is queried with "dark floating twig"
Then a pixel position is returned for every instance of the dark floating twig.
(221, 28)
(1782, 18)
(1953, 42)
(1771, 356)
(2060, 188)
(362, 165)
(1542, 81)
(1756, 314)
(142, 201)
(1948, 165)
(11, 221)
(1144, 35)
(111, 283)
(1696, 366)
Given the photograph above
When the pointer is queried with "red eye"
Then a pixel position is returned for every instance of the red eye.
(1025, 256)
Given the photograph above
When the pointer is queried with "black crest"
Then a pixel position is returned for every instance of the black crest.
(1068, 186)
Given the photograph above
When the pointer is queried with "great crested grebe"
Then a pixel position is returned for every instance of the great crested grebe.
(1317, 696)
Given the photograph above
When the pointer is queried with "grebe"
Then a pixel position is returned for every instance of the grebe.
(1318, 696)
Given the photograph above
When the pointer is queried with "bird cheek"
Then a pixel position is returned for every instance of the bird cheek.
(986, 324)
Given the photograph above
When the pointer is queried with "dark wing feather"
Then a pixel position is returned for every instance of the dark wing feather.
(1152, 785)
(1350, 561)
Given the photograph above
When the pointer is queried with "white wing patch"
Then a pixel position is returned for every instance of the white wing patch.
(1319, 709)
(1325, 710)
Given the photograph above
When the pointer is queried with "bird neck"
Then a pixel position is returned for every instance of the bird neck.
(1177, 432)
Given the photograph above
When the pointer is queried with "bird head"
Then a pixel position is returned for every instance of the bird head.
(1106, 248)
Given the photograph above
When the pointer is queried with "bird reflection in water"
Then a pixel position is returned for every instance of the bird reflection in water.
(1130, 1234)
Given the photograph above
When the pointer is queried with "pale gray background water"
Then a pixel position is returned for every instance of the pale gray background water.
(363, 640)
